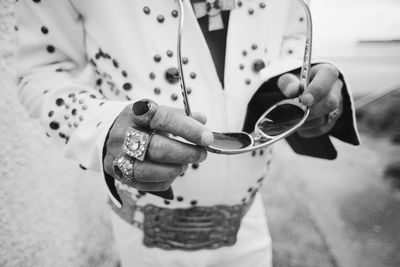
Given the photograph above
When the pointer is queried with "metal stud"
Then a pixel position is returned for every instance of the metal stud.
(157, 91)
(160, 18)
(172, 75)
(157, 58)
(174, 97)
(127, 86)
(54, 125)
(59, 102)
(258, 65)
(146, 10)
(174, 13)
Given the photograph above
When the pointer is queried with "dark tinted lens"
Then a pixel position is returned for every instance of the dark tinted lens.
(231, 140)
(281, 119)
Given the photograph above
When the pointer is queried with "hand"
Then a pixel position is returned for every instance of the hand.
(323, 95)
(166, 158)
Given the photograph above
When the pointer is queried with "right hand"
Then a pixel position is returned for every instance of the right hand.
(166, 158)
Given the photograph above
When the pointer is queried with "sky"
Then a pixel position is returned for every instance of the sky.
(341, 23)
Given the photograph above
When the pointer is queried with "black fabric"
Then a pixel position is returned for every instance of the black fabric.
(216, 41)
(267, 95)
(320, 146)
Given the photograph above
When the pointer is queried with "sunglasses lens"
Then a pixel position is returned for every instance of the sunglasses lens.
(281, 119)
(231, 141)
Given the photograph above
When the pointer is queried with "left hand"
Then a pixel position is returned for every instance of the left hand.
(323, 96)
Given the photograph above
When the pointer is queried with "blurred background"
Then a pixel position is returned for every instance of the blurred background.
(338, 213)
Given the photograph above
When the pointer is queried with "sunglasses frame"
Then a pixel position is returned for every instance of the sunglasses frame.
(260, 136)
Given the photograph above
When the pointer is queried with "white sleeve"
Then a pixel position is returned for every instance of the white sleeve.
(54, 80)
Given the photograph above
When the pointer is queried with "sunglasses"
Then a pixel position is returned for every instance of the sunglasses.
(278, 122)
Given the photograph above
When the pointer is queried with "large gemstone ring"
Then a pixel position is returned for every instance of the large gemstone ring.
(136, 143)
(123, 168)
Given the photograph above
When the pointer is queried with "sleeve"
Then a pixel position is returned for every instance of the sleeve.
(290, 54)
(54, 80)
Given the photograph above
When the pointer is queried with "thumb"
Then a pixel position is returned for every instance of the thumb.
(289, 85)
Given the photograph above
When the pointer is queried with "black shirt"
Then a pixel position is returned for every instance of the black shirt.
(216, 41)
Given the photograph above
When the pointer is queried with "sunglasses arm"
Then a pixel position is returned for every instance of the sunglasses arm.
(305, 68)
(179, 56)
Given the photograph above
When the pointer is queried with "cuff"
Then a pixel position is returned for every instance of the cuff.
(116, 109)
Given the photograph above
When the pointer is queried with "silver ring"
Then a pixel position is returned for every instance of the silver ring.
(143, 112)
(333, 115)
(123, 168)
(136, 143)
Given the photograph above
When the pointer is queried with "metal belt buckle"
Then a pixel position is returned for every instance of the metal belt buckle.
(191, 228)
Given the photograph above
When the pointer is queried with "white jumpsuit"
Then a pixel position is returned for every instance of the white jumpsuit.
(81, 62)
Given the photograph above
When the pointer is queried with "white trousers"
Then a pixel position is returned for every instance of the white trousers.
(252, 249)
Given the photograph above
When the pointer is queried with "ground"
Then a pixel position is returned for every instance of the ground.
(321, 213)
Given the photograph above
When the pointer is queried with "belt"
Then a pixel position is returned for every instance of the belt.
(191, 228)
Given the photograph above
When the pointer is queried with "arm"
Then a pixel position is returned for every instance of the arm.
(327, 88)
(56, 88)
(54, 80)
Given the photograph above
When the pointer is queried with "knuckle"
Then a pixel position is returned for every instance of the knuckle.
(163, 186)
(197, 155)
(339, 84)
(139, 186)
(332, 70)
(156, 148)
(138, 171)
(175, 171)
(332, 103)
(317, 89)
(161, 120)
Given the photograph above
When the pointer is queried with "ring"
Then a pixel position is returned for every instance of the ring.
(123, 168)
(143, 111)
(333, 115)
(136, 143)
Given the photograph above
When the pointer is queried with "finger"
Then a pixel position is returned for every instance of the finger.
(149, 187)
(166, 150)
(177, 123)
(200, 117)
(152, 172)
(323, 80)
(289, 85)
(329, 103)
(317, 131)
(108, 164)
(314, 123)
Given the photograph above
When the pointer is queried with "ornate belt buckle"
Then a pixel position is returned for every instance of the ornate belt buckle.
(192, 228)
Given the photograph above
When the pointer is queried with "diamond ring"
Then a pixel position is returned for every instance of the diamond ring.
(136, 143)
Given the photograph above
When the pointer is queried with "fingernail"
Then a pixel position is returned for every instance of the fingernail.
(292, 89)
(207, 138)
(203, 155)
(140, 107)
(307, 99)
